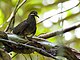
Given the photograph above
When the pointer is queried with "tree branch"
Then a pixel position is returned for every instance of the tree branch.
(52, 51)
(58, 13)
(58, 32)
(21, 4)
(14, 12)
(19, 45)
(28, 46)
(11, 19)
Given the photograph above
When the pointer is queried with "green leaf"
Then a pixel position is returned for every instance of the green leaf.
(1, 17)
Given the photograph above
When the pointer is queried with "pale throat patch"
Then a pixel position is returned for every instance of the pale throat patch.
(32, 14)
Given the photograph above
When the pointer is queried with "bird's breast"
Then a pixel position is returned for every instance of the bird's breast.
(31, 28)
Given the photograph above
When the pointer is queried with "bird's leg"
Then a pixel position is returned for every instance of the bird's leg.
(30, 36)
(28, 39)
(22, 36)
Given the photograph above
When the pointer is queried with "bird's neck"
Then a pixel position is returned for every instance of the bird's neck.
(31, 17)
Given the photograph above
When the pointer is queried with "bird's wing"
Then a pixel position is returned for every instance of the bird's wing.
(20, 28)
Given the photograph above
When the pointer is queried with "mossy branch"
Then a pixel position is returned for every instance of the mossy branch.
(61, 31)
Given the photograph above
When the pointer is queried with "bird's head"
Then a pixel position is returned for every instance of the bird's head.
(34, 13)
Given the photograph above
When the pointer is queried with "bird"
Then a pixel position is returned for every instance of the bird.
(27, 28)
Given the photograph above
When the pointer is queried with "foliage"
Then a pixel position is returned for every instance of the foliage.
(45, 9)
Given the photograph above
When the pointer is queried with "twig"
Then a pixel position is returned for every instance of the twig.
(24, 57)
(15, 55)
(58, 13)
(30, 57)
(58, 32)
(11, 19)
(21, 4)
(39, 39)
(14, 12)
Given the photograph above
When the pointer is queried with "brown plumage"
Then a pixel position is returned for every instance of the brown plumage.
(28, 26)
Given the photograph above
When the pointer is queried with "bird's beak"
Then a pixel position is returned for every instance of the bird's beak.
(37, 16)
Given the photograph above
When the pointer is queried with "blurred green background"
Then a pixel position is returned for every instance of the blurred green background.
(46, 8)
